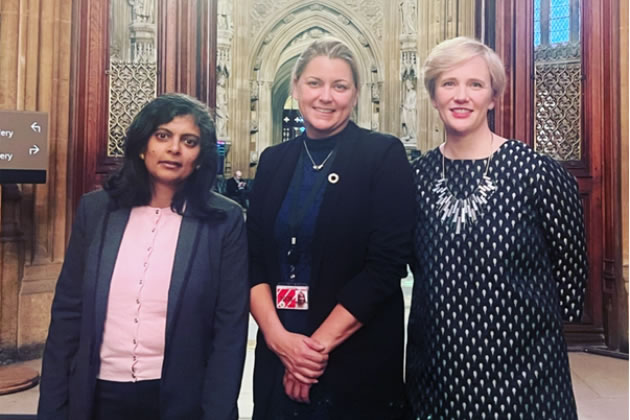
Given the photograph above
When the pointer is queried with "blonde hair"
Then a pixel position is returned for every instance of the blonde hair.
(455, 51)
(331, 48)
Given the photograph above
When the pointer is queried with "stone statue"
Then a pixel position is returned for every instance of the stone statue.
(143, 10)
(224, 15)
(408, 116)
(408, 17)
(222, 114)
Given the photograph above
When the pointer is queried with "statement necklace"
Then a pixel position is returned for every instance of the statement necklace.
(317, 167)
(461, 211)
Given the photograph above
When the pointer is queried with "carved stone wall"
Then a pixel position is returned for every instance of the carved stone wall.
(268, 35)
(439, 20)
(34, 76)
(390, 39)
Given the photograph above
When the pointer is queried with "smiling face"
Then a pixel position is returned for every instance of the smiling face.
(172, 151)
(463, 96)
(326, 94)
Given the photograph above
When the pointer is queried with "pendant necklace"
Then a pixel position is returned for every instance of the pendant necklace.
(317, 167)
(462, 211)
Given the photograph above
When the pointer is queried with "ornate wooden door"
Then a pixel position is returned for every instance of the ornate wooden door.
(562, 99)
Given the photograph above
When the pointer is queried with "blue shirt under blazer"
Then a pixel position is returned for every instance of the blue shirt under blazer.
(361, 245)
(206, 321)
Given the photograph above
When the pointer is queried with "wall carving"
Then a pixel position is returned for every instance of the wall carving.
(133, 66)
(131, 86)
(408, 17)
(558, 101)
(369, 10)
(225, 33)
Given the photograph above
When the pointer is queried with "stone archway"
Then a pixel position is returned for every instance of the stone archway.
(282, 39)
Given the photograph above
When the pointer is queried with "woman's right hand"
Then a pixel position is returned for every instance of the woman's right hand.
(302, 356)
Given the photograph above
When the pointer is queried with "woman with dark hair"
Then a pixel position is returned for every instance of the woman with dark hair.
(149, 318)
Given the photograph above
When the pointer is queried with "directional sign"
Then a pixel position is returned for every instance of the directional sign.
(23, 147)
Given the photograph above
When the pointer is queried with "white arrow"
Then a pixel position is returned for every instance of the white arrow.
(36, 128)
(33, 150)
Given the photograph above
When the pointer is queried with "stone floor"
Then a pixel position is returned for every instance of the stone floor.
(600, 384)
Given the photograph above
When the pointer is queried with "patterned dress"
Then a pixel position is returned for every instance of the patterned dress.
(485, 329)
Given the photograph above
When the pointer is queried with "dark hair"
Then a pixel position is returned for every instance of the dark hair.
(130, 186)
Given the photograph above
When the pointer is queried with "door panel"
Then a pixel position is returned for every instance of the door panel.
(559, 57)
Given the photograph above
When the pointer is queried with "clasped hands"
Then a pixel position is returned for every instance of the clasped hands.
(304, 360)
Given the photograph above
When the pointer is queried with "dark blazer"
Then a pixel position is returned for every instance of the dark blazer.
(206, 323)
(361, 245)
(231, 188)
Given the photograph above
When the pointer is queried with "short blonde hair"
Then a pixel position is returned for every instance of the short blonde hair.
(455, 51)
(328, 47)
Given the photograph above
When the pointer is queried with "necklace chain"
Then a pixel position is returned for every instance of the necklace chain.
(462, 211)
(317, 167)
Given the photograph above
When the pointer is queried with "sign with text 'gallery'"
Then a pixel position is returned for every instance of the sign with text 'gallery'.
(23, 147)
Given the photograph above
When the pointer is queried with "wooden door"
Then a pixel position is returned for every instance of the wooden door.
(562, 99)
(170, 47)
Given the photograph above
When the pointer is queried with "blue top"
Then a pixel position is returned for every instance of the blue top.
(304, 180)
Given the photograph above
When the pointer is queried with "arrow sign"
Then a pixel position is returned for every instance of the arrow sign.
(36, 128)
(33, 150)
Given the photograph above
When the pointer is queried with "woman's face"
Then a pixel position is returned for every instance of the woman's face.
(326, 95)
(463, 96)
(172, 151)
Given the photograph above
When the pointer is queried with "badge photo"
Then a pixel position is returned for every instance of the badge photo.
(292, 297)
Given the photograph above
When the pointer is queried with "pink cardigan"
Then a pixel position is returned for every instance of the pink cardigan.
(133, 337)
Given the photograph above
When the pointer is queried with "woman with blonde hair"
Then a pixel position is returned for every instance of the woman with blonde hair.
(500, 259)
(330, 218)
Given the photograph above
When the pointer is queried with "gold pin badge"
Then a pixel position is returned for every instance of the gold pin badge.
(333, 178)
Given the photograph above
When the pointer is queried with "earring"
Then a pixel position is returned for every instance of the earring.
(197, 167)
(142, 156)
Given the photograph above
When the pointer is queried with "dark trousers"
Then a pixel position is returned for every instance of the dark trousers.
(127, 400)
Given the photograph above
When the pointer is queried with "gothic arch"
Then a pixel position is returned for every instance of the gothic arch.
(282, 39)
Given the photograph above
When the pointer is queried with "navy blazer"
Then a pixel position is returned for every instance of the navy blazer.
(206, 322)
(361, 246)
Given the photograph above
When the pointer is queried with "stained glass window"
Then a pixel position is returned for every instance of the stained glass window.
(554, 21)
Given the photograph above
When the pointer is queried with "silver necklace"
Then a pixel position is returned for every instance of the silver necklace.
(462, 211)
(317, 167)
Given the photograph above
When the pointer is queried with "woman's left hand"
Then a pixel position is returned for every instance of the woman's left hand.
(295, 389)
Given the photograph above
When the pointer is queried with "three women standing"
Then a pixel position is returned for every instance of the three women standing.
(330, 220)
(500, 259)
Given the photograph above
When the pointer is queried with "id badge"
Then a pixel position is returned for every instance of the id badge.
(289, 296)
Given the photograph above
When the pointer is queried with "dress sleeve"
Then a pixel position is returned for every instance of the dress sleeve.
(561, 215)
(389, 248)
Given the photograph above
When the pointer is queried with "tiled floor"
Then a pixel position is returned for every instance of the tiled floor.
(600, 384)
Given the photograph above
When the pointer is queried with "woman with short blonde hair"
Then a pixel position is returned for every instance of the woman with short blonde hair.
(500, 259)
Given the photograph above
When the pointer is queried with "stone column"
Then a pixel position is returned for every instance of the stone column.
(35, 42)
(438, 22)
(11, 270)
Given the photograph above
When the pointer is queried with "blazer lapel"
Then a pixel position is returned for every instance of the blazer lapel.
(334, 194)
(112, 233)
(186, 245)
(279, 183)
